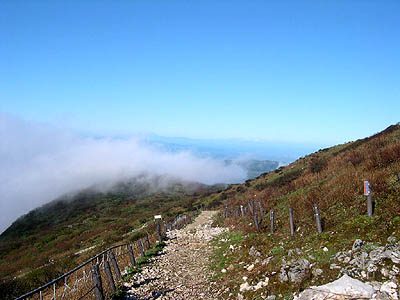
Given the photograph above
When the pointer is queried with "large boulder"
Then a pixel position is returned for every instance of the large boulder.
(343, 288)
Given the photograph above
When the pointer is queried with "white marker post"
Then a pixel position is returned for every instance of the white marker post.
(158, 219)
(367, 193)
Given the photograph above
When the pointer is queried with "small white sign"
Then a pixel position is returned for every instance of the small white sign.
(157, 217)
(367, 188)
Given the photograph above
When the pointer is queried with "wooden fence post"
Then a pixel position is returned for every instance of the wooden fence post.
(131, 255)
(110, 278)
(250, 205)
(261, 208)
(291, 221)
(317, 218)
(148, 241)
(140, 246)
(272, 220)
(256, 221)
(115, 265)
(98, 287)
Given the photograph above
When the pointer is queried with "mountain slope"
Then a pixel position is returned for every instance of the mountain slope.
(58, 235)
(332, 179)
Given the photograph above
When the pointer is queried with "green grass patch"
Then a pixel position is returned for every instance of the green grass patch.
(222, 256)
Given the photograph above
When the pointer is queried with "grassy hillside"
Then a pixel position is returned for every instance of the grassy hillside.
(50, 239)
(331, 178)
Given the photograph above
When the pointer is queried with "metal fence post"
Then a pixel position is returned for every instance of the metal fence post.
(272, 220)
(291, 221)
(317, 218)
(370, 207)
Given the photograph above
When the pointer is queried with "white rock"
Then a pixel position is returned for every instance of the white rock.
(344, 286)
(391, 288)
(250, 268)
(244, 287)
(325, 249)
(223, 271)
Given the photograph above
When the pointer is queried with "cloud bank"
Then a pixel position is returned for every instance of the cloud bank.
(40, 162)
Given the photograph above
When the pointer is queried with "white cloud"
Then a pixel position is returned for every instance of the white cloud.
(39, 163)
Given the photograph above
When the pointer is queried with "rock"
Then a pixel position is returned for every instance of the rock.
(271, 297)
(250, 268)
(385, 272)
(244, 287)
(390, 288)
(392, 239)
(338, 289)
(295, 251)
(254, 252)
(334, 266)
(298, 270)
(283, 277)
(325, 249)
(266, 261)
(357, 244)
(317, 272)
(223, 271)
(381, 296)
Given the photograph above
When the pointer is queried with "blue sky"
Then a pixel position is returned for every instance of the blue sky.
(302, 71)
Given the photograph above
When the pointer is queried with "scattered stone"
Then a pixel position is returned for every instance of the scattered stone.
(357, 244)
(244, 287)
(317, 272)
(254, 252)
(250, 268)
(392, 239)
(391, 289)
(294, 271)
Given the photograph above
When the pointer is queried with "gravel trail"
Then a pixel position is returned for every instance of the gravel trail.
(181, 271)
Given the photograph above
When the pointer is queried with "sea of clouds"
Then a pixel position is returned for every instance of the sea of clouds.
(40, 162)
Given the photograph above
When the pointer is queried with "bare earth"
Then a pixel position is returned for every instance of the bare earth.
(182, 271)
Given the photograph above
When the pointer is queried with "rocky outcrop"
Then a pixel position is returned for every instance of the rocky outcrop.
(370, 262)
(350, 288)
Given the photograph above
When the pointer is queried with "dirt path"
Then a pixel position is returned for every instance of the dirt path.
(181, 272)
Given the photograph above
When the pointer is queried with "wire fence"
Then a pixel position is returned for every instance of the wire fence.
(99, 277)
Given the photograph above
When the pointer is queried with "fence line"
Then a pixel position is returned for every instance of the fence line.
(99, 276)
(255, 211)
